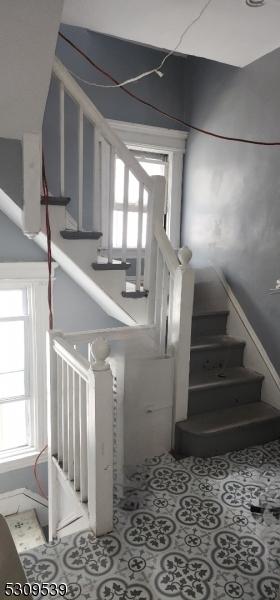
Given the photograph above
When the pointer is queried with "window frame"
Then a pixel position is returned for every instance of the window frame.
(171, 142)
(34, 278)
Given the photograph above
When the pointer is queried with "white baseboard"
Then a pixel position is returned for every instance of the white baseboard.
(255, 355)
(22, 499)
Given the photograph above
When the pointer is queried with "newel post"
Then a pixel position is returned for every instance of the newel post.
(180, 331)
(32, 166)
(100, 438)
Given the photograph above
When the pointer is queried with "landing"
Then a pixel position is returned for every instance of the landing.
(184, 531)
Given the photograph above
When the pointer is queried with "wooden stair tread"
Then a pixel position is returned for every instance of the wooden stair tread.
(217, 377)
(135, 294)
(115, 265)
(70, 234)
(209, 314)
(233, 418)
(56, 201)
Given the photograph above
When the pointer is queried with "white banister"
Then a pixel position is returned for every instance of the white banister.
(179, 333)
(80, 167)
(100, 439)
(111, 202)
(80, 417)
(62, 138)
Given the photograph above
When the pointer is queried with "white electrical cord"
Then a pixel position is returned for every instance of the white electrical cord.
(156, 70)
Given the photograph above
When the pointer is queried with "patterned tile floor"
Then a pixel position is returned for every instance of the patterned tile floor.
(183, 531)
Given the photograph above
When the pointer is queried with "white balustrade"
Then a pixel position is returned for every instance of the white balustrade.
(80, 439)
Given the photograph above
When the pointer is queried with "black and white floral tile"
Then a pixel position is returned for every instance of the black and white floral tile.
(183, 530)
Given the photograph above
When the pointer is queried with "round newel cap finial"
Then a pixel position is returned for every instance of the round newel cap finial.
(184, 255)
(99, 351)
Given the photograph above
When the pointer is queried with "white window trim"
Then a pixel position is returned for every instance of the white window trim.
(35, 276)
(164, 141)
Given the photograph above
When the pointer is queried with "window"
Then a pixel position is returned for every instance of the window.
(154, 164)
(160, 152)
(23, 326)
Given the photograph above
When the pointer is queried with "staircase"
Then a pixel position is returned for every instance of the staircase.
(199, 397)
(225, 411)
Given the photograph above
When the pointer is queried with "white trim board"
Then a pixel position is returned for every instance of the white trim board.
(18, 501)
(255, 356)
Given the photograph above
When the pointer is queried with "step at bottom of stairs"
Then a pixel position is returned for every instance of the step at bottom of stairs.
(217, 432)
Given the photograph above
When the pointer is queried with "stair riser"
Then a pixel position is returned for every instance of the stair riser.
(210, 325)
(227, 441)
(216, 358)
(218, 398)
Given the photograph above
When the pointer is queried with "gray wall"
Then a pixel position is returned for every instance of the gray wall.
(231, 207)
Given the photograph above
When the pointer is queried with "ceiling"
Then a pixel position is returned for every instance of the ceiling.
(229, 31)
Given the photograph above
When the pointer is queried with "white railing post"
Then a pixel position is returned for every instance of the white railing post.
(155, 215)
(52, 429)
(100, 439)
(32, 166)
(180, 332)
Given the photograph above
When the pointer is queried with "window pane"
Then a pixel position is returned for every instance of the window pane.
(153, 168)
(11, 346)
(117, 228)
(12, 303)
(132, 229)
(12, 385)
(119, 181)
(13, 427)
(133, 189)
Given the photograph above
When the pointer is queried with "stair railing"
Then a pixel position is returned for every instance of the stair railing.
(108, 195)
(170, 281)
(80, 431)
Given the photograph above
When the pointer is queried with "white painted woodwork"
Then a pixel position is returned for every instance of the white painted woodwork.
(62, 138)
(179, 337)
(148, 407)
(80, 167)
(82, 477)
(28, 36)
(32, 166)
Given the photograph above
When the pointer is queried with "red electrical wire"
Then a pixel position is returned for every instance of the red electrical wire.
(35, 473)
(49, 253)
(162, 112)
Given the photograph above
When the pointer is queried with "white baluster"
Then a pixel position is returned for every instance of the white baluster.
(139, 238)
(125, 214)
(59, 409)
(80, 168)
(70, 373)
(61, 139)
(111, 202)
(76, 430)
(83, 440)
(96, 208)
(64, 417)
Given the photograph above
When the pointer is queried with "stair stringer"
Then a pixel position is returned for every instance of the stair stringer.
(79, 274)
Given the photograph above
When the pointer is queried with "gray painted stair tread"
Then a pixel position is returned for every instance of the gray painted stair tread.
(56, 201)
(206, 342)
(70, 234)
(212, 313)
(135, 294)
(216, 422)
(217, 377)
(115, 265)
